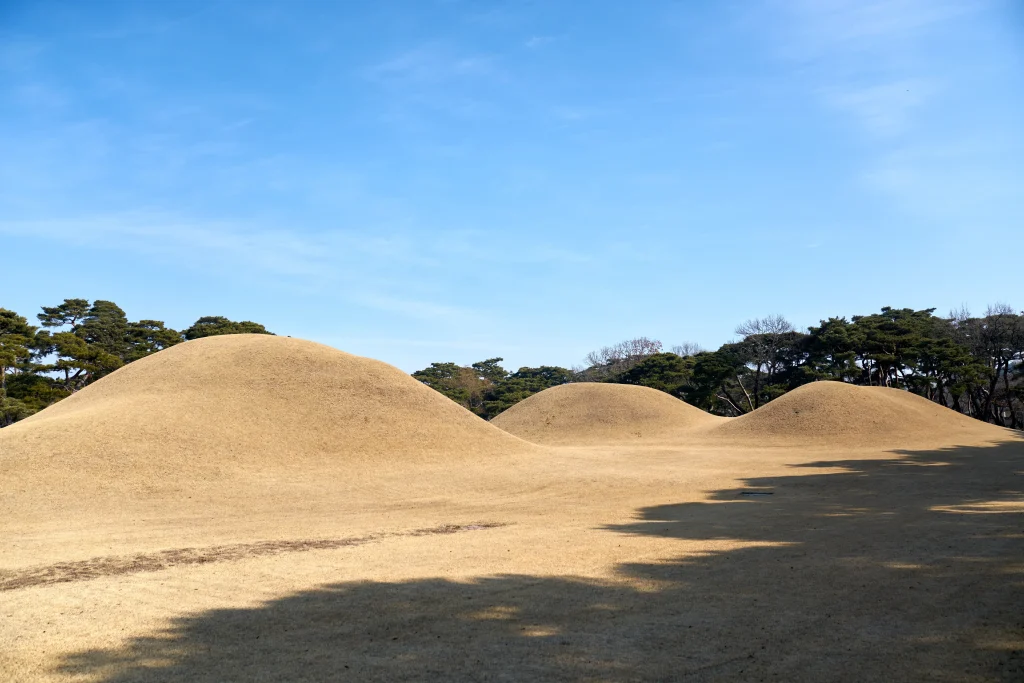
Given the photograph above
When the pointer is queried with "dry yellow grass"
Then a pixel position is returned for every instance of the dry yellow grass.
(255, 508)
(841, 415)
(252, 400)
(215, 421)
(593, 414)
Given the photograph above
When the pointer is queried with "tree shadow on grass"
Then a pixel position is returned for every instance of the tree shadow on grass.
(909, 568)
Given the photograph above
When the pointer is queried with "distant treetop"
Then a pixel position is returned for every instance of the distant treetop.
(213, 325)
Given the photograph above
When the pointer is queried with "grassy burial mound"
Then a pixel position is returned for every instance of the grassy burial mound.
(848, 416)
(589, 413)
(253, 405)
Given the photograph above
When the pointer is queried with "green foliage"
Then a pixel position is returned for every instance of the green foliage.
(22, 391)
(971, 364)
(16, 339)
(666, 372)
(12, 410)
(82, 342)
(489, 370)
(713, 385)
(78, 361)
(608, 363)
(213, 325)
(28, 393)
(486, 388)
(834, 348)
(458, 383)
(105, 328)
(68, 314)
(520, 385)
(772, 353)
(892, 341)
(545, 375)
(149, 336)
(95, 344)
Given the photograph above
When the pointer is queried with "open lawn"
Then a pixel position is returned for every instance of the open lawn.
(179, 521)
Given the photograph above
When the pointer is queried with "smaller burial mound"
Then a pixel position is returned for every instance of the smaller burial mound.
(242, 405)
(849, 416)
(590, 413)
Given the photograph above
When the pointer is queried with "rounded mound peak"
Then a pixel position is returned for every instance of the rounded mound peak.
(251, 402)
(846, 415)
(590, 413)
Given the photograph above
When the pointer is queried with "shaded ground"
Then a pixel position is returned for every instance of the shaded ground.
(907, 568)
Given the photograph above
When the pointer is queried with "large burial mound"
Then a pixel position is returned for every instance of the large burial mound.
(589, 413)
(848, 416)
(257, 405)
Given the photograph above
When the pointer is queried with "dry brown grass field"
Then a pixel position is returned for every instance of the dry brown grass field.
(253, 508)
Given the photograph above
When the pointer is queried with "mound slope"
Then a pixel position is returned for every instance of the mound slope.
(589, 413)
(845, 415)
(253, 403)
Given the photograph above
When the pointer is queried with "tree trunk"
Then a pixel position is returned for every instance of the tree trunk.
(757, 388)
(1009, 396)
(749, 403)
(992, 384)
(977, 405)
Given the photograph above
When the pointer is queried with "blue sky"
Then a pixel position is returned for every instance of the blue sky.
(432, 181)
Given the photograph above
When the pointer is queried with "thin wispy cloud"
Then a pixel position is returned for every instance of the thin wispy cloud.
(274, 252)
(429, 64)
(971, 182)
(373, 271)
(576, 113)
(39, 95)
(501, 173)
(856, 24)
(875, 65)
(483, 348)
(882, 109)
(153, 25)
(534, 42)
(868, 57)
(19, 56)
(434, 79)
(360, 269)
(475, 245)
(414, 308)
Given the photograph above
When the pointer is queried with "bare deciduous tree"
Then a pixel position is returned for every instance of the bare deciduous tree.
(687, 349)
(770, 325)
(620, 357)
(762, 339)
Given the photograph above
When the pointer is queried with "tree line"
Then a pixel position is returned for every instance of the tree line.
(76, 343)
(971, 364)
(974, 365)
